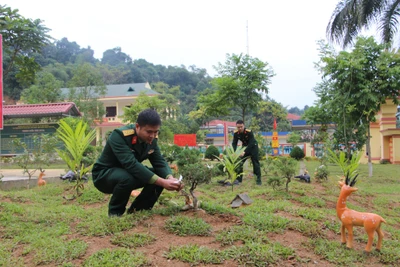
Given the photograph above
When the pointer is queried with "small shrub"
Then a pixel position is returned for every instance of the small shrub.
(188, 156)
(212, 152)
(384, 161)
(321, 173)
(297, 153)
(170, 152)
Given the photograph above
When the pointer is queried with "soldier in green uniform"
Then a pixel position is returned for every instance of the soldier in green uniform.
(246, 136)
(119, 169)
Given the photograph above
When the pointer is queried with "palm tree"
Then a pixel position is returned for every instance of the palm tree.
(352, 16)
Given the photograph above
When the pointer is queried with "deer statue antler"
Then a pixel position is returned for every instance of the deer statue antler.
(349, 218)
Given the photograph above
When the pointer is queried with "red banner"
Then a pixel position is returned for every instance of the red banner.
(1, 82)
(185, 139)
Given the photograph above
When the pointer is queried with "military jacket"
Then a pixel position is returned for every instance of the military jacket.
(248, 141)
(124, 150)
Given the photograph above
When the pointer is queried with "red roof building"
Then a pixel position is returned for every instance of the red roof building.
(292, 117)
(40, 110)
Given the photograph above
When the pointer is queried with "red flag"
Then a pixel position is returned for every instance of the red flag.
(274, 124)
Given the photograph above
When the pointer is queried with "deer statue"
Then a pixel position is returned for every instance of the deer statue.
(349, 218)
(40, 180)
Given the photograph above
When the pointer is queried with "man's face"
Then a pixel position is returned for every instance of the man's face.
(147, 133)
(240, 127)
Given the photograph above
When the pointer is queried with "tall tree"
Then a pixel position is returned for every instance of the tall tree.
(241, 81)
(85, 87)
(115, 57)
(143, 102)
(350, 17)
(47, 89)
(268, 111)
(354, 86)
(21, 38)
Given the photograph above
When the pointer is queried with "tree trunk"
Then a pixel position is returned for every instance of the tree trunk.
(287, 184)
(195, 202)
(369, 151)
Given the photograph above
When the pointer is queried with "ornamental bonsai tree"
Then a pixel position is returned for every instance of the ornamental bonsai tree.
(193, 173)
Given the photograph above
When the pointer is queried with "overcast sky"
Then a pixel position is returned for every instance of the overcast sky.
(201, 33)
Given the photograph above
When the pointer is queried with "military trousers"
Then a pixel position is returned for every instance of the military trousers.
(256, 168)
(120, 183)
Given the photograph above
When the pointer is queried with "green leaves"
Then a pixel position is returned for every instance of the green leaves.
(21, 37)
(239, 84)
(76, 140)
(346, 165)
(231, 161)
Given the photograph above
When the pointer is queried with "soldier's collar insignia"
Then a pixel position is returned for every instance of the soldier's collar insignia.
(134, 140)
(128, 132)
(150, 151)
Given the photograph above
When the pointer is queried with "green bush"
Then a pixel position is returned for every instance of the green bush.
(188, 156)
(321, 173)
(170, 152)
(297, 153)
(212, 152)
(384, 161)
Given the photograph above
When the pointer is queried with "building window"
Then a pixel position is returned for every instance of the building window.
(111, 111)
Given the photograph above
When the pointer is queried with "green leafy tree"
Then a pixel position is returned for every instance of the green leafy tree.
(350, 17)
(170, 152)
(170, 96)
(354, 86)
(119, 74)
(294, 138)
(241, 81)
(85, 87)
(46, 89)
(297, 153)
(193, 173)
(269, 110)
(76, 139)
(142, 102)
(21, 38)
(37, 155)
(115, 57)
(282, 168)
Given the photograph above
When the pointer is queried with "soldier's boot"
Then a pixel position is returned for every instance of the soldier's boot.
(258, 181)
(146, 199)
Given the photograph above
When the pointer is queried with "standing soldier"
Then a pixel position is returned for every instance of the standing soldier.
(246, 136)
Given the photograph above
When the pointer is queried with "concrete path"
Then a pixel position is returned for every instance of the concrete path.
(16, 179)
(18, 174)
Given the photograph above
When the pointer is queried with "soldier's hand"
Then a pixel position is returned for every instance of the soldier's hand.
(171, 184)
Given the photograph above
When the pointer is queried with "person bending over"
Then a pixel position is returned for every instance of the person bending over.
(119, 168)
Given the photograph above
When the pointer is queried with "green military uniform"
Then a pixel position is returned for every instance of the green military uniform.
(248, 141)
(119, 170)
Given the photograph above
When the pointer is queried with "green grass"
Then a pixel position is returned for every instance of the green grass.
(116, 257)
(183, 226)
(195, 254)
(132, 240)
(38, 227)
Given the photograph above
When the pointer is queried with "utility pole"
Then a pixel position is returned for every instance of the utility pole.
(247, 36)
